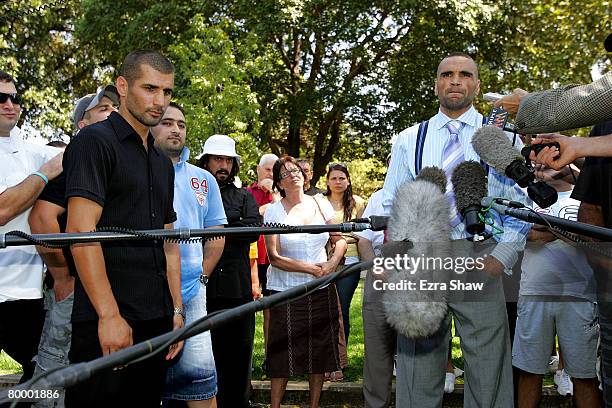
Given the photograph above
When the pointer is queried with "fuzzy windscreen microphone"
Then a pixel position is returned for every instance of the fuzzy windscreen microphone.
(434, 175)
(493, 147)
(419, 215)
(470, 187)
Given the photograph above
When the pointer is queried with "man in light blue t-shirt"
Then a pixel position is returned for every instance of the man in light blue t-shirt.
(198, 204)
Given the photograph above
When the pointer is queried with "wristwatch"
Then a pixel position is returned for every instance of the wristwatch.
(179, 311)
(204, 279)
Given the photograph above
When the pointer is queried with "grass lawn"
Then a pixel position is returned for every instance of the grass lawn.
(8, 365)
(355, 349)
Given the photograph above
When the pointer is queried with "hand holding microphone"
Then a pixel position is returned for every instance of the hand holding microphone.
(565, 152)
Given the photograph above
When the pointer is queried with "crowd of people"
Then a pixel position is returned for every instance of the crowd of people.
(127, 166)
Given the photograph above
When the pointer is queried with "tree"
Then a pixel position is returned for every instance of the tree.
(38, 48)
(322, 54)
(327, 79)
(552, 43)
(214, 89)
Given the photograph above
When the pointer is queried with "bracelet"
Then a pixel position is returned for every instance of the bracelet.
(179, 311)
(42, 176)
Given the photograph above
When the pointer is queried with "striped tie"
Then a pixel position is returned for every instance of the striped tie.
(451, 157)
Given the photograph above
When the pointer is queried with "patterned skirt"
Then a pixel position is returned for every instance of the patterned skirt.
(303, 336)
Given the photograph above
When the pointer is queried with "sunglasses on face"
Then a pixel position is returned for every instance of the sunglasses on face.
(286, 174)
(15, 99)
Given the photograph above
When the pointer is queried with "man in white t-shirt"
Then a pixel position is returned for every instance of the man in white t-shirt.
(557, 296)
(25, 169)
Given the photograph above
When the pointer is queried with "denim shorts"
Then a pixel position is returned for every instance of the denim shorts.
(574, 323)
(192, 377)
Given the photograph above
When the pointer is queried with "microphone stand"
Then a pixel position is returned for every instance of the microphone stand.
(593, 231)
(75, 373)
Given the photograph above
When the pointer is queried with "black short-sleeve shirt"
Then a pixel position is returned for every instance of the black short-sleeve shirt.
(594, 185)
(108, 163)
(55, 193)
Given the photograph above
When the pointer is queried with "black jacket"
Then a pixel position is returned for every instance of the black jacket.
(232, 275)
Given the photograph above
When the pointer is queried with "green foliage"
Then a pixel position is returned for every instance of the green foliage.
(37, 46)
(552, 43)
(316, 78)
(8, 365)
(212, 87)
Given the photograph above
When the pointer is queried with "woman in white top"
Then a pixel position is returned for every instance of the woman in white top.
(303, 335)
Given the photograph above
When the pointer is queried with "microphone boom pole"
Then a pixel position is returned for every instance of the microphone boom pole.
(593, 231)
(73, 374)
(13, 238)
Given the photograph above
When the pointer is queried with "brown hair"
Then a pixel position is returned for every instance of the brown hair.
(276, 171)
(348, 202)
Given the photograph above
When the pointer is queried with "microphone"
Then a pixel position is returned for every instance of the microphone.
(526, 150)
(470, 186)
(489, 201)
(493, 147)
(434, 175)
(378, 222)
(419, 213)
(528, 215)
(418, 225)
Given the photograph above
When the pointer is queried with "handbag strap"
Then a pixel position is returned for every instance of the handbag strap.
(319, 207)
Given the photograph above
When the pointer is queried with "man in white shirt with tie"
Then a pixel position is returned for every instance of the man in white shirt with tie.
(445, 141)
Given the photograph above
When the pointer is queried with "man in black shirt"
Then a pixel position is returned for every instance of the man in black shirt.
(231, 283)
(594, 191)
(125, 291)
(48, 216)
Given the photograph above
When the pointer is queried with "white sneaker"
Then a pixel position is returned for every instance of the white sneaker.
(449, 383)
(553, 364)
(564, 383)
(458, 372)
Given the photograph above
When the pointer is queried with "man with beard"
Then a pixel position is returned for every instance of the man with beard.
(231, 284)
(444, 141)
(125, 291)
(198, 204)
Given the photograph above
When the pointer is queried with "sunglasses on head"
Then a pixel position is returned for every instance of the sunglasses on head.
(332, 165)
(14, 98)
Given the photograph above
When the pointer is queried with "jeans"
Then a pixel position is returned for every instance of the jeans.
(54, 342)
(192, 376)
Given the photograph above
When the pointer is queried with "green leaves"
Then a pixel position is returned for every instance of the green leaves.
(318, 78)
(213, 87)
